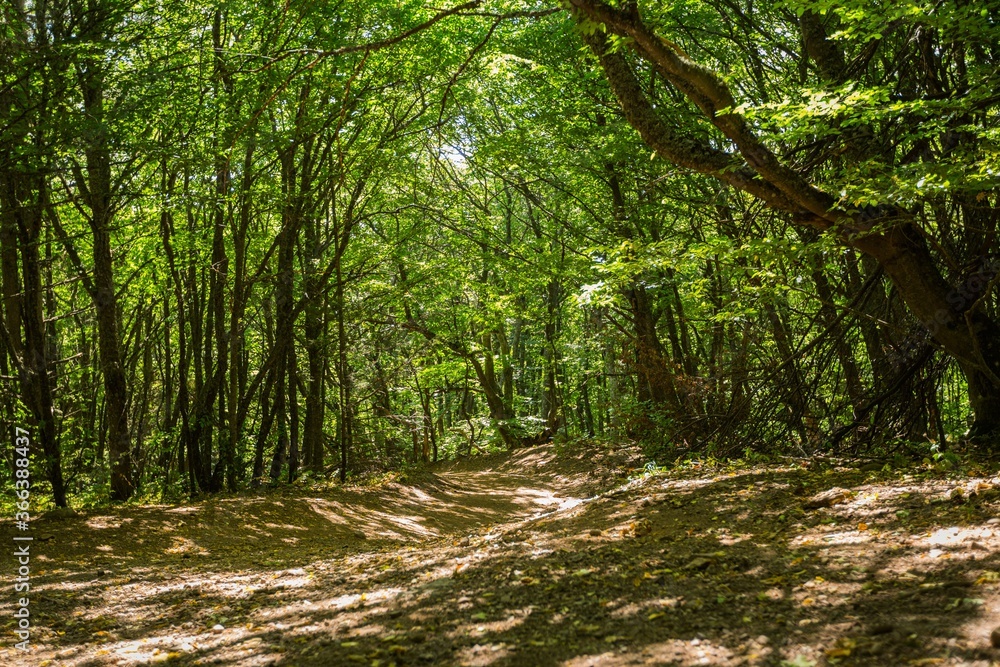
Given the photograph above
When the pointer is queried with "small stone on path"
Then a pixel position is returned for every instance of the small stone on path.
(828, 498)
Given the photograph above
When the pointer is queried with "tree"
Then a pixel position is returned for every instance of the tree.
(887, 229)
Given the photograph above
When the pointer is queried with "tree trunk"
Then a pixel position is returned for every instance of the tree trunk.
(552, 411)
(343, 371)
(238, 304)
(98, 198)
(654, 376)
(34, 365)
(966, 333)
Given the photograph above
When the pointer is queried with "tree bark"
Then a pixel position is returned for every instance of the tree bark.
(31, 357)
(98, 196)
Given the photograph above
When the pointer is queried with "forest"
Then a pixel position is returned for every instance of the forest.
(248, 242)
(251, 250)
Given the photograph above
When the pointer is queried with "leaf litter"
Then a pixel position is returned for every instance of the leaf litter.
(536, 558)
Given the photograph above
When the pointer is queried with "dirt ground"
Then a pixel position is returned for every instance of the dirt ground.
(530, 559)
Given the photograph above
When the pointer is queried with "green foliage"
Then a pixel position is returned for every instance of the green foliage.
(457, 241)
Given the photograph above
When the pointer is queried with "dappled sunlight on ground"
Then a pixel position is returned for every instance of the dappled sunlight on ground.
(464, 566)
(673, 652)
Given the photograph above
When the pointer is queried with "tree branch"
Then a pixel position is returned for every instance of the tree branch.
(711, 95)
(670, 144)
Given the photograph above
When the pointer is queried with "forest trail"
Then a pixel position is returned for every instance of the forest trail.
(132, 577)
(534, 558)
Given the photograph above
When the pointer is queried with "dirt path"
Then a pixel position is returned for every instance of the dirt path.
(146, 584)
(521, 560)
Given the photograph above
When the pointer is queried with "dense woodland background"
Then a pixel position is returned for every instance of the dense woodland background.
(246, 242)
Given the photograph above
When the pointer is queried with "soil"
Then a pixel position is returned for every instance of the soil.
(533, 558)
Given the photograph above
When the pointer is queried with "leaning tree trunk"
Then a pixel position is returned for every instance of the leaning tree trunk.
(887, 233)
(968, 335)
